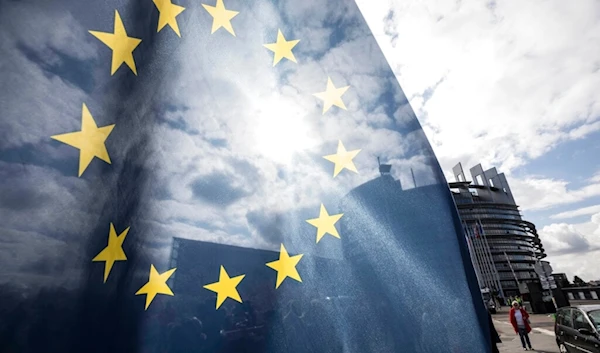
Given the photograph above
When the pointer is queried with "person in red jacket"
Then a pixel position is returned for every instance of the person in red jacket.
(520, 322)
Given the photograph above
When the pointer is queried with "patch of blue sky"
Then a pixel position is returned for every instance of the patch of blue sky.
(575, 161)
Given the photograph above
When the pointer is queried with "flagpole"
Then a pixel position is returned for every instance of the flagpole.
(488, 270)
(473, 255)
(513, 272)
(495, 274)
(480, 260)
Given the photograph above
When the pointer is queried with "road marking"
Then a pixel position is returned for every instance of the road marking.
(540, 330)
(501, 322)
(544, 331)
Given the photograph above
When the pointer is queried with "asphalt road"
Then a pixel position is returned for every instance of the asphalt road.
(542, 335)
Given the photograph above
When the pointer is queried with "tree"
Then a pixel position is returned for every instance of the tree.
(578, 282)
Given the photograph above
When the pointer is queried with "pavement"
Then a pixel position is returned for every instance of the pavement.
(541, 336)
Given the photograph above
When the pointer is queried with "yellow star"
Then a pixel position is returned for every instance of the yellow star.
(157, 284)
(342, 159)
(113, 252)
(121, 45)
(89, 141)
(285, 266)
(282, 49)
(325, 223)
(168, 13)
(221, 17)
(226, 287)
(332, 96)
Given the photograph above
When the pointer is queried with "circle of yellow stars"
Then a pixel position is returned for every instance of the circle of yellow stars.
(90, 141)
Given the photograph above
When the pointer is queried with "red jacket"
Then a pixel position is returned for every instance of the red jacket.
(513, 319)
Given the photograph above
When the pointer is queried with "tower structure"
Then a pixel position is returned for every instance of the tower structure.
(504, 247)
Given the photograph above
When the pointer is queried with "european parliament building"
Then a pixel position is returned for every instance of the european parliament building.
(504, 247)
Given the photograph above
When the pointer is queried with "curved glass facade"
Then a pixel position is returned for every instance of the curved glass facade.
(492, 218)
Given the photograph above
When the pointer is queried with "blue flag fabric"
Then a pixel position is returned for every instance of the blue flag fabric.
(204, 176)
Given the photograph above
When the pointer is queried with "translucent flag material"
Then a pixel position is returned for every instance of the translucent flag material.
(219, 176)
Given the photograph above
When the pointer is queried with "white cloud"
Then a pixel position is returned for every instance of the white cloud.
(502, 83)
(198, 112)
(512, 79)
(46, 217)
(562, 238)
(584, 265)
(595, 178)
(221, 97)
(535, 193)
(574, 248)
(578, 212)
(219, 186)
(31, 56)
(52, 209)
(67, 36)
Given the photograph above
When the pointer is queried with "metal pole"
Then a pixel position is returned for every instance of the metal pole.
(474, 260)
(489, 253)
(489, 278)
(480, 264)
(513, 272)
(485, 265)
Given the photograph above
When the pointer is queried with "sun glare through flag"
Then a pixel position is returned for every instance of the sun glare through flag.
(202, 176)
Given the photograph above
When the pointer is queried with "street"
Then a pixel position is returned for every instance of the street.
(541, 336)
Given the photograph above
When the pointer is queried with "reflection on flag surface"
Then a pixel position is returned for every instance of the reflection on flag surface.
(202, 176)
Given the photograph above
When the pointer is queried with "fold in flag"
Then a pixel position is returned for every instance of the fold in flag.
(202, 176)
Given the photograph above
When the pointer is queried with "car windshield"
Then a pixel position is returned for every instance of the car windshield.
(595, 316)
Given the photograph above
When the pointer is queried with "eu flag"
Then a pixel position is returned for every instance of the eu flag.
(219, 176)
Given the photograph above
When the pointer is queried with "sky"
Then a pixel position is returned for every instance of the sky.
(511, 85)
(208, 137)
(490, 84)
(227, 145)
